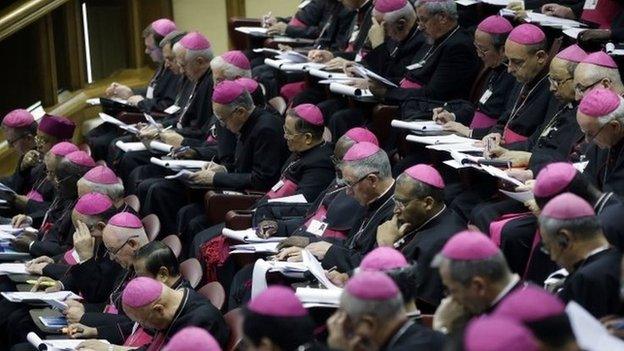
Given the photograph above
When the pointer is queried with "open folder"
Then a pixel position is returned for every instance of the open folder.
(56, 344)
(248, 236)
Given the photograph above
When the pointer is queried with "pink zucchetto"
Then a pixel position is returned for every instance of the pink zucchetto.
(567, 206)
(101, 175)
(530, 304)
(572, 53)
(57, 126)
(498, 334)
(277, 301)
(192, 339)
(385, 6)
(163, 26)
(600, 58)
(599, 102)
(92, 204)
(426, 174)
(249, 84)
(309, 113)
(63, 148)
(372, 285)
(19, 118)
(495, 25)
(383, 258)
(141, 292)
(195, 41)
(553, 178)
(469, 246)
(527, 34)
(361, 151)
(236, 58)
(125, 220)
(80, 158)
(226, 92)
(359, 134)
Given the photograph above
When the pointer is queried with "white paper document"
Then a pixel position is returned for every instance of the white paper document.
(130, 146)
(120, 124)
(439, 139)
(12, 268)
(55, 344)
(552, 21)
(270, 247)
(590, 334)
(292, 56)
(316, 269)
(311, 297)
(93, 102)
(250, 30)
(366, 73)
(6, 189)
(573, 32)
(419, 126)
(19, 296)
(348, 90)
(181, 175)
(328, 75)
(503, 3)
(460, 147)
(521, 196)
(269, 50)
(293, 199)
(179, 164)
(248, 236)
(500, 174)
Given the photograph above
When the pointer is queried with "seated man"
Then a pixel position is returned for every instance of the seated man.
(193, 339)
(19, 128)
(572, 235)
(371, 315)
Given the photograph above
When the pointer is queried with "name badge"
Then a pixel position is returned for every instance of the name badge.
(580, 166)
(150, 92)
(172, 109)
(304, 4)
(485, 97)
(417, 65)
(317, 227)
(277, 186)
(590, 4)
(358, 57)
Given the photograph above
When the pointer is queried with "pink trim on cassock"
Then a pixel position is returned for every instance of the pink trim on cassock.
(69, 258)
(111, 309)
(481, 120)
(290, 90)
(138, 338)
(295, 22)
(287, 189)
(211, 140)
(509, 136)
(408, 84)
(496, 226)
(603, 14)
(536, 241)
(34, 195)
(320, 215)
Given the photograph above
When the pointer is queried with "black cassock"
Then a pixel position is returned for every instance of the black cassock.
(422, 245)
(55, 232)
(606, 167)
(414, 337)
(362, 238)
(595, 283)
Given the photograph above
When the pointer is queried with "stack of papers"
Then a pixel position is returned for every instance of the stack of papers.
(418, 126)
(552, 21)
(348, 90)
(316, 269)
(262, 267)
(294, 199)
(521, 196)
(120, 124)
(177, 165)
(328, 75)
(55, 344)
(12, 268)
(292, 56)
(248, 236)
(366, 73)
(463, 147)
(438, 139)
(155, 145)
(270, 247)
(590, 334)
(311, 297)
(252, 30)
(19, 296)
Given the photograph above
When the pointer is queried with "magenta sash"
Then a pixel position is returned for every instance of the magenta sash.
(138, 338)
(290, 90)
(481, 120)
(497, 225)
(34, 195)
(320, 215)
(603, 14)
(536, 241)
(295, 22)
(408, 84)
(509, 136)
(69, 258)
(287, 188)
(111, 309)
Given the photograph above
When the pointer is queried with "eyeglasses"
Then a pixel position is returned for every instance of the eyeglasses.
(581, 89)
(480, 50)
(288, 135)
(557, 83)
(351, 185)
(114, 253)
(589, 138)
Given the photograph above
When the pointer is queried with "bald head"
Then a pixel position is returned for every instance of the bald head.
(122, 243)
(151, 303)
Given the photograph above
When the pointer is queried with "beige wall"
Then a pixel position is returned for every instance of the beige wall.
(282, 8)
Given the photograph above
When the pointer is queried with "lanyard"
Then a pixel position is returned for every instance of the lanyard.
(401, 241)
(188, 104)
(553, 120)
(516, 109)
(602, 202)
(367, 221)
(398, 334)
(432, 50)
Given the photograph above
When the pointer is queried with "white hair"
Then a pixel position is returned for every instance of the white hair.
(377, 162)
(596, 73)
(114, 191)
(230, 71)
(382, 310)
(616, 115)
(447, 7)
(177, 47)
(244, 100)
(406, 12)
(191, 55)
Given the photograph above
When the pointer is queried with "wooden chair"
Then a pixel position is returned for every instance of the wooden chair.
(214, 292)
(174, 244)
(218, 204)
(192, 271)
(133, 201)
(151, 223)
(427, 320)
(238, 40)
(238, 220)
(234, 320)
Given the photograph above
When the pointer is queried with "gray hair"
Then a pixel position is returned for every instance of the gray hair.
(172, 38)
(377, 162)
(383, 310)
(244, 100)
(596, 73)
(616, 115)
(230, 71)
(494, 268)
(447, 7)
(406, 12)
(582, 228)
(113, 191)
(191, 55)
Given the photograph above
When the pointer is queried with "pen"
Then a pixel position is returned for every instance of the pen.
(332, 269)
(34, 282)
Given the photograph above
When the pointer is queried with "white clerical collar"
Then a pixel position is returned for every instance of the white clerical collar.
(382, 194)
(514, 280)
(598, 250)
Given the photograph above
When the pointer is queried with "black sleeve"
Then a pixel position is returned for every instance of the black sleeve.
(93, 279)
(310, 15)
(463, 110)
(342, 258)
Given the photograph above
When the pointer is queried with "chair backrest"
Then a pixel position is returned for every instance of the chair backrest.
(133, 201)
(192, 271)
(279, 104)
(214, 292)
(151, 223)
(427, 320)
(234, 321)
(174, 244)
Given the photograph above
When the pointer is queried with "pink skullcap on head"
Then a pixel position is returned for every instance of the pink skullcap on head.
(249, 84)
(553, 178)
(236, 58)
(192, 339)
(63, 148)
(101, 175)
(361, 151)
(572, 53)
(382, 259)
(385, 6)
(81, 158)
(527, 34)
(226, 92)
(195, 41)
(495, 25)
(498, 334)
(567, 206)
(91, 204)
(599, 102)
(125, 220)
(359, 134)
(426, 174)
(19, 118)
(309, 113)
(600, 58)
(469, 246)
(277, 301)
(163, 26)
(530, 304)
(57, 126)
(141, 292)
(372, 285)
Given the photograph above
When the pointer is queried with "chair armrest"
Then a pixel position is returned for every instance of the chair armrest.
(218, 204)
(238, 40)
(381, 117)
(238, 220)
(131, 117)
